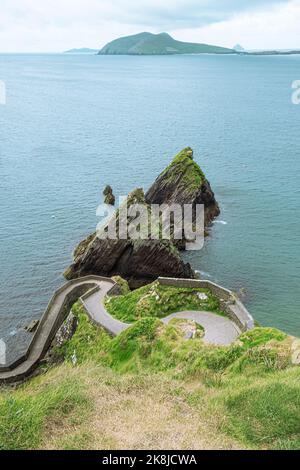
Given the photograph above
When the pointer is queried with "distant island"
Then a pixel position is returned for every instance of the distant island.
(158, 44)
(83, 50)
(275, 52)
(163, 44)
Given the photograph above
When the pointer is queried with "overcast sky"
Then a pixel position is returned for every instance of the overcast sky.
(57, 25)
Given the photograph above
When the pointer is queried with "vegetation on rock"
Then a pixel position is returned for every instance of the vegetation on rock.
(184, 165)
(183, 182)
(142, 261)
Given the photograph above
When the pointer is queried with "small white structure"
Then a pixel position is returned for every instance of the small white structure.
(202, 296)
(2, 353)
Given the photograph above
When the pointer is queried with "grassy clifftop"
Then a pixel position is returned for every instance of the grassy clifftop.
(151, 388)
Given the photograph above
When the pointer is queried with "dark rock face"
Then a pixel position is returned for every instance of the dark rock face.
(137, 261)
(66, 331)
(64, 334)
(109, 197)
(183, 182)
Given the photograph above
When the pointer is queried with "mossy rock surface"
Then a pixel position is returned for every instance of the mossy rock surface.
(183, 166)
(183, 182)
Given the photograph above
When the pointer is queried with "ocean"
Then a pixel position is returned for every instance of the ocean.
(74, 123)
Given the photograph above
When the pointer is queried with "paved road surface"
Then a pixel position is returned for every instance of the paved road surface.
(218, 330)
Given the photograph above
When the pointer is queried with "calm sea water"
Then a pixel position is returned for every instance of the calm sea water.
(75, 123)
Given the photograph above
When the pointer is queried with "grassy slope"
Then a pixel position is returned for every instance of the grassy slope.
(149, 388)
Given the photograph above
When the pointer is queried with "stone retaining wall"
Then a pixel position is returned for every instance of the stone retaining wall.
(228, 300)
(69, 300)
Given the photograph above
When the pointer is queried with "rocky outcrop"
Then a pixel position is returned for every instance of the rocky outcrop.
(109, 197)
(138, 261)
(141, 261)
(183, 182)
(66, 331)
(63, 335)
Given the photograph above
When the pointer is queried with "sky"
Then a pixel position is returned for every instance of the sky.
(58, 25)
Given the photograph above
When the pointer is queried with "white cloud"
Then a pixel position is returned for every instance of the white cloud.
(276, 28)
(55, 25)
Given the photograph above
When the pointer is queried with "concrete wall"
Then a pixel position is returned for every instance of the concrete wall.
(228, 300)
(69, 301)
(49, 333)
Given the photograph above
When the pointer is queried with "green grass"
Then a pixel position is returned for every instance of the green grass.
(88, 343)
(267, 413)
(251, 387)
(259, 336)
(248, 391)
(27, 412)
(123, 284)
(158, 301)
(150, 345)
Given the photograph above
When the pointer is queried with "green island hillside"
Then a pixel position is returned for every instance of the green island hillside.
(152, 388)
(158, 44)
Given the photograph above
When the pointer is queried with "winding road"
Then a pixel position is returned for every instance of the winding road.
(92, 291)
(220, 331)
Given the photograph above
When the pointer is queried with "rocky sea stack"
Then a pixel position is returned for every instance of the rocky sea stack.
(183, 182)
(142, 261)
(109, 197)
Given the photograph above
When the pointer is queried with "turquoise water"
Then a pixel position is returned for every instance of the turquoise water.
(73, 124)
